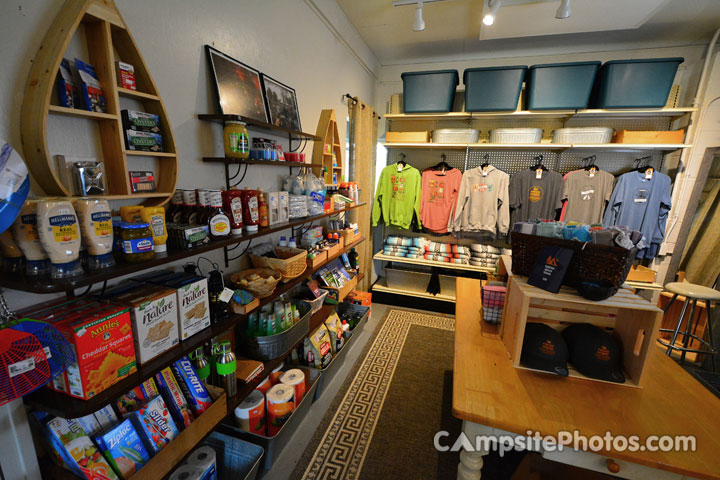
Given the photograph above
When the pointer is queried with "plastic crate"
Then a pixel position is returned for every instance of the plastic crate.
(516, 135)
(236, 459)
(275, 346)
(644, 83)
(493, 89)
(560, 86)
(455, 135)
(429, 92)
(583, 135)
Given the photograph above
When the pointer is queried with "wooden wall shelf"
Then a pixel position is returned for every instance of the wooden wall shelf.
(108, 40)
(326, 144)
(239, 161)
(220, 118)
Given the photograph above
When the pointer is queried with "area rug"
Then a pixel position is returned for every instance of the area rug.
(383, 424)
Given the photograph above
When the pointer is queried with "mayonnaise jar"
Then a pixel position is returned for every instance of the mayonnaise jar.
(96, 227)
(60, 237)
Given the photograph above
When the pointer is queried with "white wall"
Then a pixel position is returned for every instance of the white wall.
(309, 45)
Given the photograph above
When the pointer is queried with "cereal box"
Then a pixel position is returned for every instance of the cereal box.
(194, 390)
(132, 400)
(193, 305)
(154, 320)
(102, 341)
(123, 448)
(174, 398)
(95, 422)
(77, 451)
(154, 425)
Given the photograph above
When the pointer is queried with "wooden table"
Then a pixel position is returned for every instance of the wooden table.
(494, 398)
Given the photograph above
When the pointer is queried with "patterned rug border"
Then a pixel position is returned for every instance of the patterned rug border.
(341, 451)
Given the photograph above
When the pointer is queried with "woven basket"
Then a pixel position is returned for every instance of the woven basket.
(348, 236)
(316, 303)
(291, 262)
(590, 262)
(260, 290)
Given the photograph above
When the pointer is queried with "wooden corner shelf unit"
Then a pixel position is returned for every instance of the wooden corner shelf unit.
(327, 150)
(108, 40)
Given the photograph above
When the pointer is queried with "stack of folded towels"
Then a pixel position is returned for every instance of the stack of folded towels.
(447, 252)
(407, 247)
(484, 255)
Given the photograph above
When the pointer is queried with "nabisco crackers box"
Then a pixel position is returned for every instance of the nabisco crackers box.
(193, 304)
(102, 341)
(154, 320)
(174, 398)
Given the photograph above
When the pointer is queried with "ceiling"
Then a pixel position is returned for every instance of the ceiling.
(454, 30)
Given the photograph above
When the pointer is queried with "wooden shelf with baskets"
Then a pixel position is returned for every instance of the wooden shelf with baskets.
(108, 40)
(327, 147)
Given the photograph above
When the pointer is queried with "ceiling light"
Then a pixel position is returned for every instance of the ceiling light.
(419, 23)
(563, 10)
(489, 17)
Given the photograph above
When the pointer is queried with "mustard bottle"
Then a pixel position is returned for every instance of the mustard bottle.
(131, 213)
(155, 217)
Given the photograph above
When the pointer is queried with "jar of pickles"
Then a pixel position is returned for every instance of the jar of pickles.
(237, 140)
(137, 242)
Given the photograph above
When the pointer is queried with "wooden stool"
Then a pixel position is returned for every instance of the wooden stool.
(692, 293)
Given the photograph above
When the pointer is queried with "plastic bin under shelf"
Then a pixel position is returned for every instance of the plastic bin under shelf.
(415, 278)
(236, 459)
(275, 346)
(274, 445)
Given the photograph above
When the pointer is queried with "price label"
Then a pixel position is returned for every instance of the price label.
(226, 295)
(23, 366)
(538, 173)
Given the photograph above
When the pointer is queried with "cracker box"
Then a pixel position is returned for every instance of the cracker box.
(102, 341)
(174, 398)
(143, 141)
(76, 450)
(136, 397)
(154, 320)
(154, 425)
(283, 206)
(126, 75)
(100, 420)
(123, 449)
(193, 304)
(140, 121)
(193, 389)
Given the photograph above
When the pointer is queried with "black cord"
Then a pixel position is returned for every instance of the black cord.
(243, 253)
(86, 291)
(243, 177)
(238, 171)
(102, 292)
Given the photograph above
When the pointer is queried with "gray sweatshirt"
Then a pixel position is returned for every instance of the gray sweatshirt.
(482, 202)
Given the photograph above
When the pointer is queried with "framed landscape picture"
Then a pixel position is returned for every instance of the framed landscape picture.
(238, 86)
(282, 108)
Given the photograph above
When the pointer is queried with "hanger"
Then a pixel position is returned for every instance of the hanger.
(643, 165)
(486, 162)
(590, 163)
(538, 164)
(443, 165)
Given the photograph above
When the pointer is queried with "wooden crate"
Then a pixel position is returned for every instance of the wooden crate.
(337, 295)
(638, 273)
(319, 259)
(652, 136)
(633, 320)
(407, 137)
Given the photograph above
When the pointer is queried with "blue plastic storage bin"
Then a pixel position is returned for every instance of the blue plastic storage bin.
(429, 92)
(236, 459)
(493, 89)
(560, 86)
(644, 83)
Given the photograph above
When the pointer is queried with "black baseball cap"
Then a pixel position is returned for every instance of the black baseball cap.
(544, 349)
(594, 352)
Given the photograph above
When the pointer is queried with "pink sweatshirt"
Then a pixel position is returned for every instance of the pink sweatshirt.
(439, 196)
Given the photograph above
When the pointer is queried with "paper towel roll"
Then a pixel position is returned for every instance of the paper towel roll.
(187, 472)
(204, 458)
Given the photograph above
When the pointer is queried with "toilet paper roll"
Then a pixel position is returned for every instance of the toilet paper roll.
(204, 458)
(187, 472)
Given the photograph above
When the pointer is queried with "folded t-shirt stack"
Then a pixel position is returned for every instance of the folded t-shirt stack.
(484, 255)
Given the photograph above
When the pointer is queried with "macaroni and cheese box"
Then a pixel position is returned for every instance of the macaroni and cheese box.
(102, 341)
(193, 304)
(77, 451)
(174, 398)
(154, 320)
(193, 389)
(154, 425)
(133, 399)
(123, 448)
(100, 420)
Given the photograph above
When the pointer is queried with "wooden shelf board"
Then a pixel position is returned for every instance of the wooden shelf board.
(441, 146)
(428, 116)
(140, 153)
(76, 112)
(519, 146)
(632, 146)
(432, 263)
(68, 407)
(542, 146)
(209, 117)
(271, 163)
(126, 92)
(519, 114)
(381, 286)
(44, 286)
(636, 112)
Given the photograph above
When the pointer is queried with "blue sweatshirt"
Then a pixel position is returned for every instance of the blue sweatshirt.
(641, 204)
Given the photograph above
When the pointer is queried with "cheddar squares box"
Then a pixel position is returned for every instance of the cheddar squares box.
(154, 320)
(154, 424)
(123, 448)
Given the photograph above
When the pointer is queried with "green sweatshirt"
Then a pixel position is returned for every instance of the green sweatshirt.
(397, 196)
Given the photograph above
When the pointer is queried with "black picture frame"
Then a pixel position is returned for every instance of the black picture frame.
(238, 86)
(281, 103)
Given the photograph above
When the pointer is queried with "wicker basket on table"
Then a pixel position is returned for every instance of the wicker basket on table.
(291, 262)
(260, 289)
(590, 263)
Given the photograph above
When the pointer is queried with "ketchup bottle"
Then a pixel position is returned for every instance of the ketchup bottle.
(232, 204)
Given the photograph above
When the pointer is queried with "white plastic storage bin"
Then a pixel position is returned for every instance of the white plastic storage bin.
(583, 135)
(516, 135)
(455, 135)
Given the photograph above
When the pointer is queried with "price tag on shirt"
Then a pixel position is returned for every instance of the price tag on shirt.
(400, 167)
(485, 171)
(538, 173)
(649, 174)
(592, 172)
(226, 295)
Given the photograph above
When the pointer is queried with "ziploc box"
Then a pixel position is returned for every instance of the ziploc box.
(136, 397)
(154, 320)
(174, 398)
(97, 421)
(102, 341)
(123, 449)
(154, 425)
(76, 450)
(195, 392)
(193, 303)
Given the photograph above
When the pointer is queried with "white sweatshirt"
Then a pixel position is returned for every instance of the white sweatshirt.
(483, 202)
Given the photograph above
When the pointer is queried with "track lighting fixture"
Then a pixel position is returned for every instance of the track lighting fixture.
(563, 10)
(493, 7)
(419, 23)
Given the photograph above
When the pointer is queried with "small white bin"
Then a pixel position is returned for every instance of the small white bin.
(516, 135)
(589, 135)
(455, 135)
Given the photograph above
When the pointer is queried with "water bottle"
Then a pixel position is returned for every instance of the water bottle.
(201, 364)
(226, 366)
